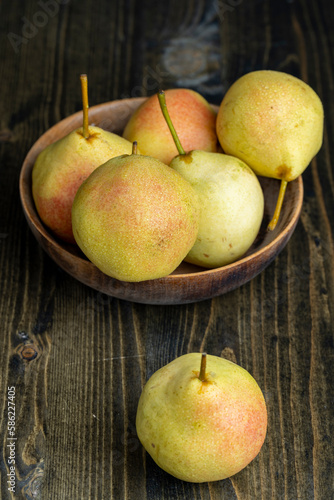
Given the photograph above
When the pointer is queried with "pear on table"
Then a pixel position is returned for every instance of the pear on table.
(62, 166)
(231, 201)
(135, 218)
(193, 118)
(202, 418)
(273, 121)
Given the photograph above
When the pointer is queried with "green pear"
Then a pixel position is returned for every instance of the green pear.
(135, 218)
(62, 166)
(274, 122)
(232, 205)
(231, 201)
(202, 426)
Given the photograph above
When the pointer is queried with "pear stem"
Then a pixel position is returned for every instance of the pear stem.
(201, 375)
(134, 147)
(279, 203)
(84, 92)
(163, 106)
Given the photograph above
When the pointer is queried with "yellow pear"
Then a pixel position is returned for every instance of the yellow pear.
(135, 218)
(201, 420)
(273, 121)
(62, 166)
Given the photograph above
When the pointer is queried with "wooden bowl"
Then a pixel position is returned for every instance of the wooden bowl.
(188, 283)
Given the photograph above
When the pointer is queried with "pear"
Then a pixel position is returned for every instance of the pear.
(273, 121)
(135, 218)
(62, 166)
(199, 425)
(231, 201)
(193, 118)
(232, 205)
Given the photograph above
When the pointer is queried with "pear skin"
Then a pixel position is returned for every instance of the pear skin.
(232, 205)
(193, 118)
(60, 169)
(202, 430)
(135, 218)
(273, 121)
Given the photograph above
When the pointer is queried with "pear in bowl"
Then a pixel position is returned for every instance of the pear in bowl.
(135, 218)
(273, 121)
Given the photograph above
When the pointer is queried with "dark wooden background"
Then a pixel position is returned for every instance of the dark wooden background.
(78, 359)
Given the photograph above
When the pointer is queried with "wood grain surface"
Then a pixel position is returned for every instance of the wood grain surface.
(77, 358)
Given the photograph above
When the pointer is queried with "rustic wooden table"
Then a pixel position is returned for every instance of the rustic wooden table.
(77, 359)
